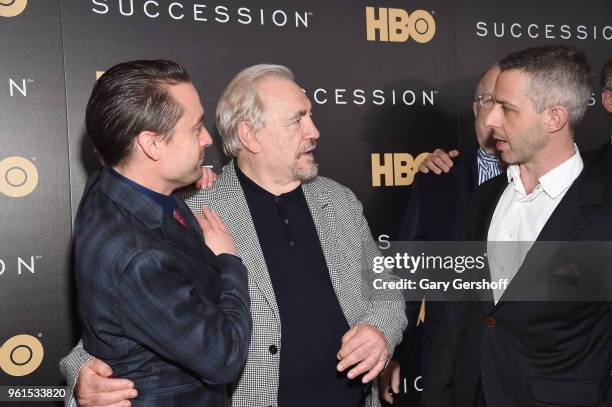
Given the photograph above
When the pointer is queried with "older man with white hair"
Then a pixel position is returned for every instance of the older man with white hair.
(318, 339)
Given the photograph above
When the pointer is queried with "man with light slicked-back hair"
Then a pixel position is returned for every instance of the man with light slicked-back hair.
(240, 102)
(318, 339)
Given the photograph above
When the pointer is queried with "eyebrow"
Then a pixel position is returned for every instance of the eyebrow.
(199, 122)
(503, 102)
(298, 115)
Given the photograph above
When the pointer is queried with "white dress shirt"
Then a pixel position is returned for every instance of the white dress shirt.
(520, 217)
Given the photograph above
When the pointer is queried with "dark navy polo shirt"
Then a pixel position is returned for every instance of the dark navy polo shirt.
(312, 321)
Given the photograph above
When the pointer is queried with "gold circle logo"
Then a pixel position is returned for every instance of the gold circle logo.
(21, 355)
(12, 8)
(18, 176)
(423, 26)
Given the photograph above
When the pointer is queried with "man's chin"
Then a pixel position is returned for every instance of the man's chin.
(306, 157)
(195, 177)
(508, 158)
(306, 174)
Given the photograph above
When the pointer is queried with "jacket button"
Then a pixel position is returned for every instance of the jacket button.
(273, 349)
(490, 322)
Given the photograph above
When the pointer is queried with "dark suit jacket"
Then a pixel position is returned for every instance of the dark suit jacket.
(436, 211)
(154, 301)
(438, 204)
(601, 158)
(543, 353)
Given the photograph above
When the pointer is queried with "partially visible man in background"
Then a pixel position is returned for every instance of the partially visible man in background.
(432, 215)
(602, 157)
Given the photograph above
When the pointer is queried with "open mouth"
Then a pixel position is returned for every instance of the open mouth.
(499, 143)
(310, 150)
(306, 149)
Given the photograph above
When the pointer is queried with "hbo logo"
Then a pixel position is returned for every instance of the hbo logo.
(21, 355)
(18, 177)
(396, 25)
(12, 8)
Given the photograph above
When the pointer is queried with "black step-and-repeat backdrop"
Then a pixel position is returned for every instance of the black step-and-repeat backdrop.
(389, 80)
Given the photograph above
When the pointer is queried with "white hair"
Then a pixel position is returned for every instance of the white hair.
(240, 102)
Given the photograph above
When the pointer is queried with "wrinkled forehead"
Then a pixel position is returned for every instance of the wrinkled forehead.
(282, 96)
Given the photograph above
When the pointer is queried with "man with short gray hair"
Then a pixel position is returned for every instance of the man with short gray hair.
(440, 161)
(527, 345)
(319, 339)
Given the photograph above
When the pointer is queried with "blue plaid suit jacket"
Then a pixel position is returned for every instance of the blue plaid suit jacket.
(345, 236)
(154, 302)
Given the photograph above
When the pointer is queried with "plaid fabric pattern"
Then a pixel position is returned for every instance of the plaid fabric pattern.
(344, 234)
(154, 302)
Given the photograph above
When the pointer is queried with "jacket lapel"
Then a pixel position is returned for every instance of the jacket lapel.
(491, 192)
(188, 215)
(321, 208)
(153, 217)
(186, 238)
(227, 198)
(566, 222)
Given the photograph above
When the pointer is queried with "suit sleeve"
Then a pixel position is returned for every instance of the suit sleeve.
(162, 309)
(387, 312)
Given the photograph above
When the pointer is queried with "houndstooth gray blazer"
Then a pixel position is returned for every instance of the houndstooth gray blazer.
(343, 232)
(344, 235)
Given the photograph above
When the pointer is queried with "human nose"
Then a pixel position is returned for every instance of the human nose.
(205, 139)
(312, 131)
(492, 117)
